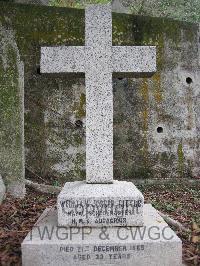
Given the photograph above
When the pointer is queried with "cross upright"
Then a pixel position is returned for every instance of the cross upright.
(98, 59)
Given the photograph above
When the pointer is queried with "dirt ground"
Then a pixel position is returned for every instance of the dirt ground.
(180, 201)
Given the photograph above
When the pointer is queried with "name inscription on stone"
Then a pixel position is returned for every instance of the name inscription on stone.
(111, 253)
(101, 211)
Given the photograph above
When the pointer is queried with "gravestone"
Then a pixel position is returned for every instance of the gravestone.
(98, 221)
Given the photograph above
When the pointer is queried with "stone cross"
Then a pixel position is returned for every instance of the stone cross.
(98, 59)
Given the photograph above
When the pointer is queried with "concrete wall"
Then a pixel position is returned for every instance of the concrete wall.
(156, 120)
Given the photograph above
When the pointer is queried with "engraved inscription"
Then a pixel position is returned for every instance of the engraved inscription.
(108, 253)
(101, 211)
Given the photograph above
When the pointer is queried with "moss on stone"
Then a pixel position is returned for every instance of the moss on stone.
(157, 90)
(11, 116)
(79, 107)
(180, 159)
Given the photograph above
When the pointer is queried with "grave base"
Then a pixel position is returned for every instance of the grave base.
(154, 244)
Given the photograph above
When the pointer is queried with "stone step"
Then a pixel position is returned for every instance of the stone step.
(117, 204)
(154, 244)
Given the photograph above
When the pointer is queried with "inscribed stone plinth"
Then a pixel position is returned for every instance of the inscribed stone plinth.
(117, 204)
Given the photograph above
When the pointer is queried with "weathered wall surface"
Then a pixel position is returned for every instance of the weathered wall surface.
(11, 114)
(33, 2)
(156, 120)
(160, 128)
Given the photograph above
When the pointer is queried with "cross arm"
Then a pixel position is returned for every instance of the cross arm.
(134, 59)
(62, 59)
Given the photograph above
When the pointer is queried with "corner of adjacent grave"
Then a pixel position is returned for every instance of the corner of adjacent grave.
(2, 190)
(12, 162)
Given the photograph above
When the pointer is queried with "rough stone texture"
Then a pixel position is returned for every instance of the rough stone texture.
(134, 60)
(62, 59)
(99, 95)
(88, 246)
(2, 189)
(117, 204)
(55, 103)
(98, 59)
(11, 114)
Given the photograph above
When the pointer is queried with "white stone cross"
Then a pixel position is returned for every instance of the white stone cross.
(98, 59)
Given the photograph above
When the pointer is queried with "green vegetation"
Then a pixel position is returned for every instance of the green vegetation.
(177, 9)
(76, 3)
